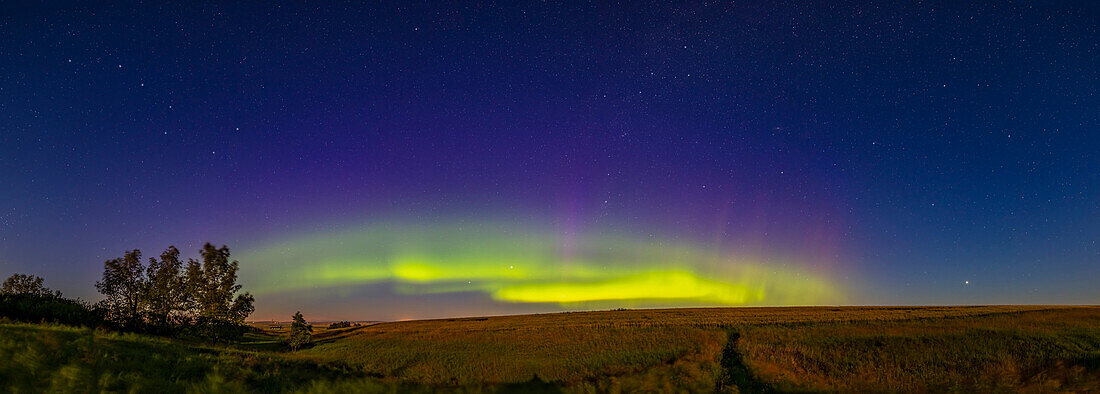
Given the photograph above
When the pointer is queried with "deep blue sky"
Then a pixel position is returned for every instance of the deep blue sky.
(903, 148)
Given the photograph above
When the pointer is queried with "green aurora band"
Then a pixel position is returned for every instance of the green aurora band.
(514, 266)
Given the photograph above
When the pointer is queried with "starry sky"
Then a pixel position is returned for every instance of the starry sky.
(396, 160)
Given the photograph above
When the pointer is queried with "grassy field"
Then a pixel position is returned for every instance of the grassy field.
(1039, 350)
(1000, 348)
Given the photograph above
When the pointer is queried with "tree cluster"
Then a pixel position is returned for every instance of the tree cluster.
(342, 324)
(167, 296)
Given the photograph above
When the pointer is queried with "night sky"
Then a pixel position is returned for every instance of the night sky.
(407, 161)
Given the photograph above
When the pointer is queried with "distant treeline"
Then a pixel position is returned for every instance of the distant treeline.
(342, 324)
(165, 297)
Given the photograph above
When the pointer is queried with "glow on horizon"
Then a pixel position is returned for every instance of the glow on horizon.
(510, 265)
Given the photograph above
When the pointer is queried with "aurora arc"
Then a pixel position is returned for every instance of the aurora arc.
(516, 265)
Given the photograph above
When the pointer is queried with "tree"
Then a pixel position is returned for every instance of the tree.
(165, 293)
(192, 285)
(242, 308)
(301, 334)
(210, 286)
(214, 284)
(124, 286)
(26, 284)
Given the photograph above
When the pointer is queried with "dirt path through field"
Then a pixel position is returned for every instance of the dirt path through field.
(736, 376)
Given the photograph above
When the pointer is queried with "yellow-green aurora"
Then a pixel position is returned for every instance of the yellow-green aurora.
(516, 265)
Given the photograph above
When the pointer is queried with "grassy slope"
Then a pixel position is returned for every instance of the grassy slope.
(36, 358)
(844, 349)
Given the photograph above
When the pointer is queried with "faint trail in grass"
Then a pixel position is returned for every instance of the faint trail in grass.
(535, 385)
(736, 374)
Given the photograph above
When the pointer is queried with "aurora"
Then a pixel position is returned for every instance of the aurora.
(516, 264)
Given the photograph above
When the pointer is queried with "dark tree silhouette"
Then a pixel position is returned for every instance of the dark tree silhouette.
(165, 295)
(124, 286)
(214, 285)
(26, 284)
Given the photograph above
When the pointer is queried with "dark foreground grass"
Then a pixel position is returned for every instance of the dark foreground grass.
(676, 350)
(43, 358)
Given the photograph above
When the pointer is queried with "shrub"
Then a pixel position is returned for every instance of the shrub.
(38, 308)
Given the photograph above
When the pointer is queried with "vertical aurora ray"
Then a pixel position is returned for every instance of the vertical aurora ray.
(513, 265)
